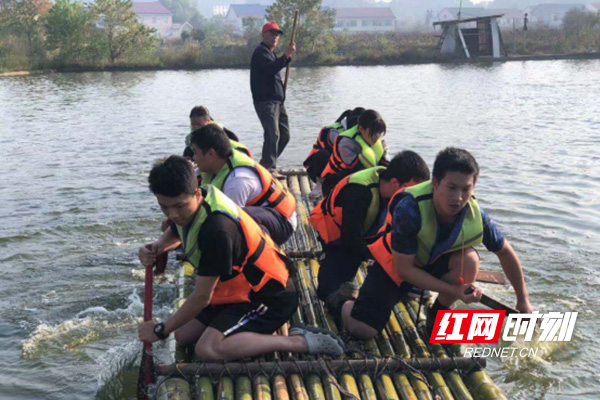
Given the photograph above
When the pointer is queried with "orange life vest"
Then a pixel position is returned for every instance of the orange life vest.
(369, 156)
(326, 217)
(262, 253)
(323, 141)
(381, 249)
(274, 194)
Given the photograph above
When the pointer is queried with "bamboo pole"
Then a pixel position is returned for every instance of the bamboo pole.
(403, 387)
(297, 387)
(293, 39)
(243, 388)
(225, 389)
(304, 367)
(280, 391)
(315, 387)
(174, 389)
(331, 390)
(204, 388)
(348, 383)
(385, 388)
(262, 390)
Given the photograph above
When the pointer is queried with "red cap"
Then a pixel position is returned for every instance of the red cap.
(269, 26)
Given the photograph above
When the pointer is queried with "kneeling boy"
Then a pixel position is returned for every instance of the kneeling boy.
(434, 228)
(241, 294)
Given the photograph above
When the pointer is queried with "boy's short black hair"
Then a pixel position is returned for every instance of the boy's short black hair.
(353, 117)
(452, 159)
(372, 121)
(199, 112)
(173, 176)
(212, 136)
(406, 166)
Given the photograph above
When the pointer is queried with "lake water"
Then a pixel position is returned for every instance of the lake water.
(76, 150)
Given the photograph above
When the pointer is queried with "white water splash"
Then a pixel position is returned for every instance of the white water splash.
(89, 325)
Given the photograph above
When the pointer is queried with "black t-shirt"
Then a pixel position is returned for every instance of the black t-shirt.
(223, 245)
(354, 200)
(265, 80)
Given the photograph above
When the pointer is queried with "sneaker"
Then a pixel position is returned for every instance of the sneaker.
(347, 291)
(316, 192)
(320, 341)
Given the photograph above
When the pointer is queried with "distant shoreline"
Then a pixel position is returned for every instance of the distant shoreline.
(411, 61)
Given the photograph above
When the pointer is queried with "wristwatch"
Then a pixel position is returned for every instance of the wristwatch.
(159, 331)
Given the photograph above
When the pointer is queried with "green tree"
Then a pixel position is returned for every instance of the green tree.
(252, 29)
(314, 22)
(68, 30)
(121, 28)
(580, 28)
(25, 18)
(183, 10)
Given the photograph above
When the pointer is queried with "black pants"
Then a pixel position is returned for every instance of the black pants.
(274, 120)
(337, 266)
(316, 163)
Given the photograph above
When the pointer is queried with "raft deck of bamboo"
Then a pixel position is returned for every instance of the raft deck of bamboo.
(397, 365)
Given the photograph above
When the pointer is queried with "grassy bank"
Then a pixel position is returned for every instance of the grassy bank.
(331, 49)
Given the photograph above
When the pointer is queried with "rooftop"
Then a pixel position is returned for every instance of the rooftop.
(249, 10)
(149, 7)
(366, 12)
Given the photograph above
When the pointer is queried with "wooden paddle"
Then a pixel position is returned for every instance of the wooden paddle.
(492, 303)
(497, 304)
(496, 277)
(287, 68)
(147, 373)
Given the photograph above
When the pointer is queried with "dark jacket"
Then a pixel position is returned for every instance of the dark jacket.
(265, 80)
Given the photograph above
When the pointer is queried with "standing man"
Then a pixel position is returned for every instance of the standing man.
(268, 94)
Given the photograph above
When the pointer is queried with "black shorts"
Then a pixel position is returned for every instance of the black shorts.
(379, 293)
(258, 316)
(377, 298)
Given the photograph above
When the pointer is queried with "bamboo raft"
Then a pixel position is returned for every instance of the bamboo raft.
(397, 365)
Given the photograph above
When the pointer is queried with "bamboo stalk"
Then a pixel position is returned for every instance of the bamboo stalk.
(280, 391)
(367, 391)
(262, 390)
(204, 388)
(307, 304)
(331, 391)
(315, 387)
(385, 388)
(225, 389)
(243, 388)
(397, 337)
(326, 318)
(417, 381)
(403, 387)
(297, 387)
(454, 380)
(305, 367)
(174, 389)
(348, 383)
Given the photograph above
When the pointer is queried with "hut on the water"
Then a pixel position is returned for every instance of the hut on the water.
(470, 38)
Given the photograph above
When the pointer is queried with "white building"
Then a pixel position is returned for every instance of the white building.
(154, 15)
(237, 13)
(371, 19)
